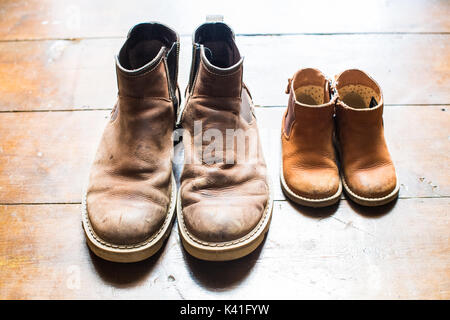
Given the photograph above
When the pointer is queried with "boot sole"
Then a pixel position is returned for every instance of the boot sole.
(314, 203)
(370, 202)
(225, 251)
(129, 253)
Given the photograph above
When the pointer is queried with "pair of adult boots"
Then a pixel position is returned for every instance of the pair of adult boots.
(223, 204)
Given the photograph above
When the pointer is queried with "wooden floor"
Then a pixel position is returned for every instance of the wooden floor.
(57, 86)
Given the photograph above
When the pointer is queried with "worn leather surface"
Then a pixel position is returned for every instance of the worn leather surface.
(365, 160)
(130, 181)
(224, 191)
(309, 163)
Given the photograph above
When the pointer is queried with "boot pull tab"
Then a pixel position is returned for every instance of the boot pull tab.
(288, 88)
(214, 18)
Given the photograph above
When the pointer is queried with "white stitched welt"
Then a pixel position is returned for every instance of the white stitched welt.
(368, 199)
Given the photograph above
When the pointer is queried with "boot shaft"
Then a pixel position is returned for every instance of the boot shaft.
(147, 63)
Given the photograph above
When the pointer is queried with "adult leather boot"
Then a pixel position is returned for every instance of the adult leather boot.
(129, 205)
(225, 204)
(367, 170)
(309, 173)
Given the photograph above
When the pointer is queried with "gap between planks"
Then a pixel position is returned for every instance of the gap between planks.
(275, 200)
(109, 109)
(237, 35)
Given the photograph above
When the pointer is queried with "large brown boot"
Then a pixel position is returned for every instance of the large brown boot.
(225, 204)
(367, 171)
(131, 196)
(309, 173)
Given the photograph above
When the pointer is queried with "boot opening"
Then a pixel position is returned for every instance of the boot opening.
(144, 43)
(218, 41)
(312, 95)
(311, 87)
(357, 90)
(359, 96)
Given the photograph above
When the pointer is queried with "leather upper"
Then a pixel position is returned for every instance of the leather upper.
(366, 164)
(309, 163)
(129, 187)
(224, 189)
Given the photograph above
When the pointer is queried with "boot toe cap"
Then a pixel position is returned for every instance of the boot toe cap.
(313, 184)
(232, 219)
(125, 221)
(374, 183)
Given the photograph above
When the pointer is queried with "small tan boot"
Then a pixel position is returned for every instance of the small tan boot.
(309, 173)
(367, 170)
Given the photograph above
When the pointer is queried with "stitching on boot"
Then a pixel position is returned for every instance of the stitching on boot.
(369, 199)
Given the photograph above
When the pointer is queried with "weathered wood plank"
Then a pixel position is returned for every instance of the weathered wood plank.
(400, 250)
(411, 69)
(39, 19)
(345, 252)
(49, 75)
(45, 156)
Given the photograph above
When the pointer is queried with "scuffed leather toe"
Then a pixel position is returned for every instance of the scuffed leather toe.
(231, 219)
(313, 184)
(125, 221)
(374, 183)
